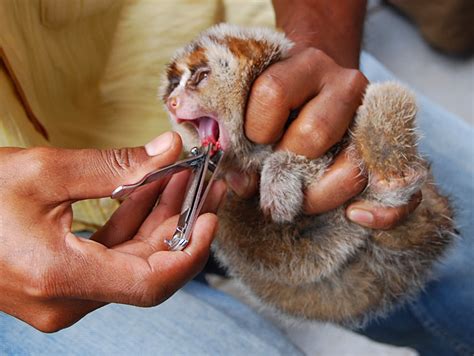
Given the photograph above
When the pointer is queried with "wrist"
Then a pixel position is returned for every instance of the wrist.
(336, 29)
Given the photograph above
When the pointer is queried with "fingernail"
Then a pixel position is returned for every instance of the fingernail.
(160, 145)
(360, 216)
(238, 182)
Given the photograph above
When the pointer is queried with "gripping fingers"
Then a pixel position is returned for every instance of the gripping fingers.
(128, 218)
(374, 216)
(327, 94)
(280, 88)
(341, 182)
(175, 268)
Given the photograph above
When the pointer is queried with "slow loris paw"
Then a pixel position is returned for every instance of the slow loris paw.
(281, 187)
(397, 191)
(385, 140)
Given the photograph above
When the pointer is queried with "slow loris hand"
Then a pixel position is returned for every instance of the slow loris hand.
(328, 94)
(50, 278)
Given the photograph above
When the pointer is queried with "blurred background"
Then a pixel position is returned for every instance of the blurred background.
(398, 37)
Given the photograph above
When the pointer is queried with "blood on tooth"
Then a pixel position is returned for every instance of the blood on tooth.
(216, 146)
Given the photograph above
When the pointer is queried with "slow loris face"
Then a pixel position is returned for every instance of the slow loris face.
(207, 83)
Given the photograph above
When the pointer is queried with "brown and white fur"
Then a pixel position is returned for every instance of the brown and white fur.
(316, 267)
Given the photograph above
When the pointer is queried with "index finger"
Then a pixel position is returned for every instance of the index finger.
(279, 90)
(325, 119)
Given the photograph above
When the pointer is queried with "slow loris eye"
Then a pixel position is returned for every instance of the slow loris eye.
(174, 81)
(200, 75)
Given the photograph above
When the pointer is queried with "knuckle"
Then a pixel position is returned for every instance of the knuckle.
(119, 160)
(354, 85)
(316, 136)
(36, 161)
(313, 55)
(308, 129)
(41, 173)
(270, 90)
(305, 136)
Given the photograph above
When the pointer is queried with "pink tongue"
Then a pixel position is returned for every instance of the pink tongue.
(208, 129)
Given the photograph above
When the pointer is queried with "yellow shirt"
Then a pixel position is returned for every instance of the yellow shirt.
(84, 73)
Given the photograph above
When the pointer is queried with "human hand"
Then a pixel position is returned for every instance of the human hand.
(50, 278)
(320, 79)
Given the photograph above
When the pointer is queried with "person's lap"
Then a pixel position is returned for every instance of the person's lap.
(197, 320)
(200, 320)
(441, 320)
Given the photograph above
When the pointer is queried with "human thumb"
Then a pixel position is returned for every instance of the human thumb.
(90, 173)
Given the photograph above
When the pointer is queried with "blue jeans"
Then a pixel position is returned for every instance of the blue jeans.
(441, 320)
(200, 320)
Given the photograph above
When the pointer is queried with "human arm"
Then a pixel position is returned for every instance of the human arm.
(49, 277)
(335, 29)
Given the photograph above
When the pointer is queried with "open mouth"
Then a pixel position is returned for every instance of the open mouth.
(208, 130)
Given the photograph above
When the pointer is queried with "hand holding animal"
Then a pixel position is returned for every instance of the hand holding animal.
(324, 266)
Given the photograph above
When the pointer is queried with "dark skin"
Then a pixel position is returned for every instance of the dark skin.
(327, 48)
(50, 278)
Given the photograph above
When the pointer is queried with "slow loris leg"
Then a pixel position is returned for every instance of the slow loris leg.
(385, 143)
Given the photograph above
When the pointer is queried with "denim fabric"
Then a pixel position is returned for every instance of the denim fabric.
(199, 320)
(441, 320)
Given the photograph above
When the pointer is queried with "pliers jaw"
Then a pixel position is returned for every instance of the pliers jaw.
(203, 163)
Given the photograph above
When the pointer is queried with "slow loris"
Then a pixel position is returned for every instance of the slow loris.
(316, 267)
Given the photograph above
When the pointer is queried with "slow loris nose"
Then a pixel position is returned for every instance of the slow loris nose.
(173, 103)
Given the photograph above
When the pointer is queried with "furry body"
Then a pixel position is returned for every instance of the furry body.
(317, 267)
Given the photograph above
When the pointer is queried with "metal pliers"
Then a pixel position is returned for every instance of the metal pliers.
(201, 161)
